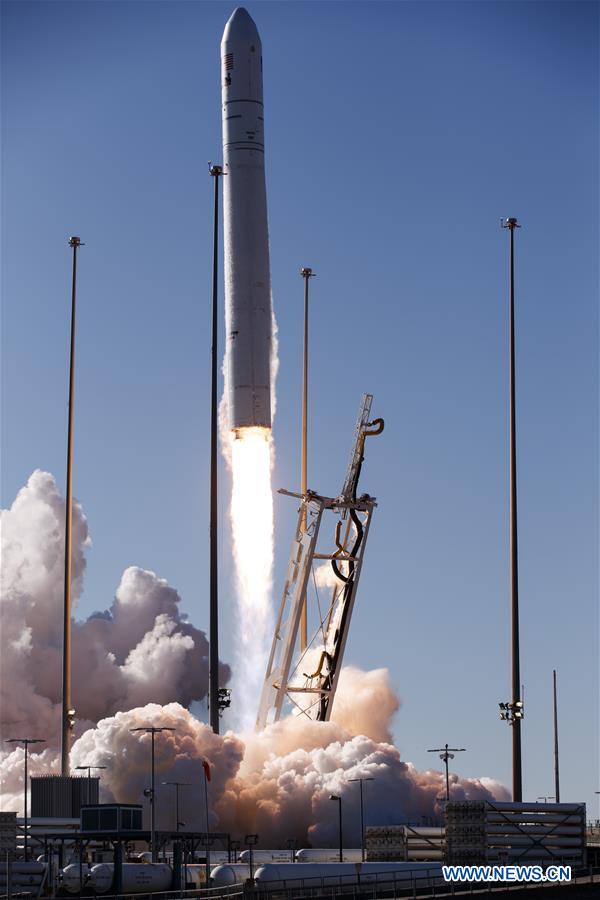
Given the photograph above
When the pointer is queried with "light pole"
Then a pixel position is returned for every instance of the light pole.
(516, 701)
(213, 650)
(206, 769)
(26, 742)
(68, 714)
(362, 819)
(339, 802)
(556, 766)
(152, 730)
(177, 785)
(250, 841)
(291, 842)
(89, 779)
(447, 753)
(235, 846)
(306, 274)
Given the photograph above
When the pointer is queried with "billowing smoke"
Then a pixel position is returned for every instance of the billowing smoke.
(136, 665)
(12, 771)
(277, 783)
(141, 649)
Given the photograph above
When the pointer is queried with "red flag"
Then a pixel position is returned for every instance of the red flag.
(206, 768)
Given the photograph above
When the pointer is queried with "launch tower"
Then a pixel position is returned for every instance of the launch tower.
(309, 681)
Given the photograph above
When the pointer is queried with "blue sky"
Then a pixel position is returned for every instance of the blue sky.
(397, 136)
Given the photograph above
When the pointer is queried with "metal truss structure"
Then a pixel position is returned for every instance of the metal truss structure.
(308, 680)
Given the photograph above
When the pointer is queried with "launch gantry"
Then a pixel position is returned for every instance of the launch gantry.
(309, 681)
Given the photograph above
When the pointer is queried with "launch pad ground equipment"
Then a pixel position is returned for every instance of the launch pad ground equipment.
(309, 682)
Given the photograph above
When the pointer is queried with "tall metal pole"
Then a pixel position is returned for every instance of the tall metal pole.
(447, 776)
(26, 742)
(339, 802)
(447, 753)
(67, 712)
(25, 801)
(362, 818)
(341, 835)
(176, 785)
(152, 819)
(306, 274)
(213, 677)
(556, 769)
(89, 779)
(362, 825)
(517, 792)
(207, 826)
(152, 730)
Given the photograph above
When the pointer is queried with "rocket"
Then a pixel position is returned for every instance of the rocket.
(248, 319)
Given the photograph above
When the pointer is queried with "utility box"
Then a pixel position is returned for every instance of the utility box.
(111, 817)
(8, 834)
(62, 796)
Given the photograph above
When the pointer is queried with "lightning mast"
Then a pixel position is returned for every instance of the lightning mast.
(309, 682)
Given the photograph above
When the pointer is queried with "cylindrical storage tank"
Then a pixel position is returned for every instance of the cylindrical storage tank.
(311, 875)
(328, 855)
(101, 877)
(235, 873)
(264, 856)
(137, 877)
(71, 877)
(24, 868)
(193, 875)
(423, 831)
(432, 853)
(214, 857)
(21, 881)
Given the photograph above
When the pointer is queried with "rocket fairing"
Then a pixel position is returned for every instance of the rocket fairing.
(248, 319)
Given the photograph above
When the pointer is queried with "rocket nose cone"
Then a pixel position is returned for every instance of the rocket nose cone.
(240, 25)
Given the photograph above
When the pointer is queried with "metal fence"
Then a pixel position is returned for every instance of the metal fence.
(377, 887)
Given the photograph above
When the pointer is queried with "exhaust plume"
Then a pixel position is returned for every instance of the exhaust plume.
(250, 455)
(252, 528)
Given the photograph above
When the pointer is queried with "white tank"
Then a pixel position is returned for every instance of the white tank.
(327, 855)
(234, 873)
(277, 877)
(71, 877)
(137, 877)
(265, 856)
(214, 857)
(29, 868)
(193, 874)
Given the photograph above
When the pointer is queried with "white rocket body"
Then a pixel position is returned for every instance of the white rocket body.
(246, 238)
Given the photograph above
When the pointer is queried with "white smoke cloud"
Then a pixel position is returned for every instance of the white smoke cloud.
(141, 649)
(12, 770)
(276, 783)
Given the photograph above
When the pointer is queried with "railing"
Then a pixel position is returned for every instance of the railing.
(376, 885)
(394, 885)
